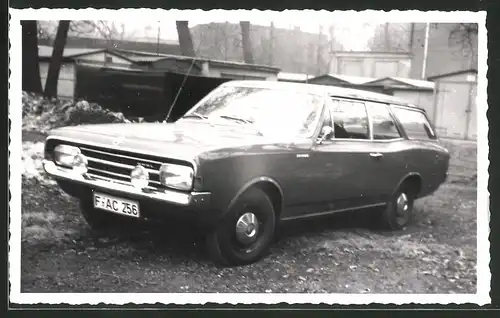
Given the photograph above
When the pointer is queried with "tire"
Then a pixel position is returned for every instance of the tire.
(225, 245)
(394, 216)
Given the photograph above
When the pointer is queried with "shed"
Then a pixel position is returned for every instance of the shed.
(146, 61)
(455, 104)
(417, 92)
(201, 66)
(73, 56)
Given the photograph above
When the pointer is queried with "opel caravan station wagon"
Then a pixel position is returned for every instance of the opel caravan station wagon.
(250, 155)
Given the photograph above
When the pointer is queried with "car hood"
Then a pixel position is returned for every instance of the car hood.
(178, 140)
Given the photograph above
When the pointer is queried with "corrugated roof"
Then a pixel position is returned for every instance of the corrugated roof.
(354, 80)
(357, 80)
(46, 51)
(415, 82)
(147, 57)
(472, 70)
(407, 81)
(296, 77)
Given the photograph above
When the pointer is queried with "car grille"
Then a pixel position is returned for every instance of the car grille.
(103, 163)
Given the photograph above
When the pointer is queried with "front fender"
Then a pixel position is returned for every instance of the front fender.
(276, 192)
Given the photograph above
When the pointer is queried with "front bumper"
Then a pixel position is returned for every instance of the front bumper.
(181, 199)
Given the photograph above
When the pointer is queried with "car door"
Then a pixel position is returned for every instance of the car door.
(345, 161)
(387, 149)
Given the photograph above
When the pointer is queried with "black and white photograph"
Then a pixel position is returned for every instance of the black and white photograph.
(188, 156)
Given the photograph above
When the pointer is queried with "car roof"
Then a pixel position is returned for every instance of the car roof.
(324, 89)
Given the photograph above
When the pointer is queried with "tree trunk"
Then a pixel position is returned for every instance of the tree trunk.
(185, 40)
(31, 68)
(56, 61)
(247, 44)
(271, 44)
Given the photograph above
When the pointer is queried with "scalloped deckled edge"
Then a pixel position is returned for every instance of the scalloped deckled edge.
(15, 107)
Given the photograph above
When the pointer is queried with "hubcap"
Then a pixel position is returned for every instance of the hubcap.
(402, 205)
(247, 228)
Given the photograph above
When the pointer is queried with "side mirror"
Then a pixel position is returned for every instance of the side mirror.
(325, 133)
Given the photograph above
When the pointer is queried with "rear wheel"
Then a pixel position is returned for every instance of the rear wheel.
(244, 235)
(399, 210)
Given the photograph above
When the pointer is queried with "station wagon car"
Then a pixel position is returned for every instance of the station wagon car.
(250, 155)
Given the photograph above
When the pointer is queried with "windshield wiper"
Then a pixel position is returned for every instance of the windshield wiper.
(242, 120)
(246, 121)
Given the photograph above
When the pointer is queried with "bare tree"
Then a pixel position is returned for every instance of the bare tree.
(111, 31)
(185, 40)
(247, 44)
(31, 68)
(57, 57)
(391, 37)
(47, 30)
(464, 33)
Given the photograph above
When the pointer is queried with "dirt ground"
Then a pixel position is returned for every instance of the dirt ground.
(339, 254)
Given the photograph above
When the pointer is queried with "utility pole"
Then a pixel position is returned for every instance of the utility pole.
(426, 49)
(319, 51)
(386, 35)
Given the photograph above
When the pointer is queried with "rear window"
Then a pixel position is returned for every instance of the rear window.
(415, 123)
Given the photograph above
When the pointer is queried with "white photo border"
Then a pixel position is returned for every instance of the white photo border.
(15, 108)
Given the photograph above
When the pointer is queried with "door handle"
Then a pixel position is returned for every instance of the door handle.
(376, 155)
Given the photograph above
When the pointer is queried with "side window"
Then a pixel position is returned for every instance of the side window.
(350, 120)
(383, 125)
(415, 123)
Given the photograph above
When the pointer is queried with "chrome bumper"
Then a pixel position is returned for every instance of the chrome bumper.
(167, 196)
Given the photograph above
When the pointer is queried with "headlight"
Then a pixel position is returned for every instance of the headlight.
(70, 157)
(175, 176)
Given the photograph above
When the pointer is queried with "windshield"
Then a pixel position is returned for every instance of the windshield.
(268, 111)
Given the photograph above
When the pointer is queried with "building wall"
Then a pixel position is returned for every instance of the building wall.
(368, 64)
(67, 76)
(455, 104)
(66, 84)
(172, 65)
(423, 99)
(445, 54)
(103, 59)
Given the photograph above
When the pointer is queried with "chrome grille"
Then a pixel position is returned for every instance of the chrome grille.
(115, 166)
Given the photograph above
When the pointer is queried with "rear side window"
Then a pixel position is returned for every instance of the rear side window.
(350, 120)
(415, 123)
(383, 125)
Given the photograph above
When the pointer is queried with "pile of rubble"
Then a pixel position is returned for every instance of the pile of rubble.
(42, 114)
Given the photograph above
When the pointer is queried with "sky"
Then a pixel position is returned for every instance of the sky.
(353, 35)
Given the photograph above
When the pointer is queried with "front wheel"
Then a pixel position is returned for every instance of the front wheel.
(244, 235)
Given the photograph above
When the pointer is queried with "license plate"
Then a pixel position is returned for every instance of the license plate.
(116, 205)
